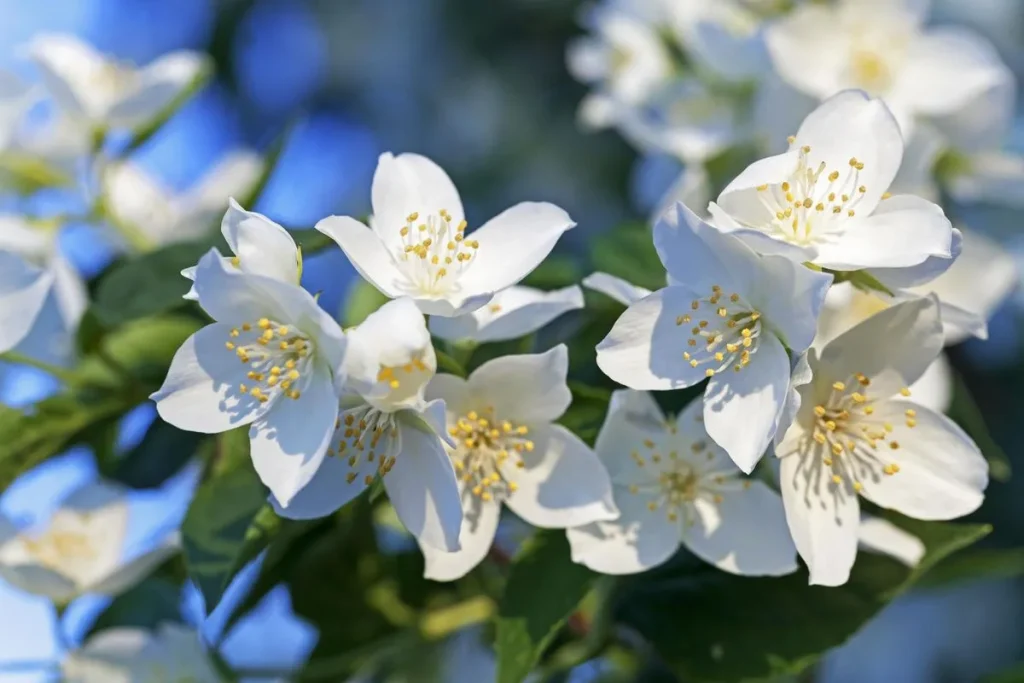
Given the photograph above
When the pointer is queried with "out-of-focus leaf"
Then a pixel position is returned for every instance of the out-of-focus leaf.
(223, 529)
(148, 604)
(362, 300)
(965, 412)
(544, 587)
(974, 564)
(27, 175)
(862, 280)
(554, 272)
(628, 252)
(135, 357)
(587, 412)
(758, 627)
(162, 453)
(1015, 674)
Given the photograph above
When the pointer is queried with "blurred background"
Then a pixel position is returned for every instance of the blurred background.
(482, 88)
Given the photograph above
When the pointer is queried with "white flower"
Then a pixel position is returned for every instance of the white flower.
(882, 536)
(512, 313)
(826, 201)
(880, 46)
(724, 36)
(616, 288)
(675, 486)
(728, 315)
(386, 428)
(624, 58)
(81, 550)
(855, 434)
(95, 90)
(418, 246)
(135, 199)
(131, 655)
(268, 361)
(16, 97)
(507, 451)
(23, 293)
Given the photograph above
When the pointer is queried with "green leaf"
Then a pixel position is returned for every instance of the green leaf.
(148, 604)
(228, 523)
(965, 412)
(862, 280)
(587, 411)
(362, 300)
(628, 252)
(1015, 674)
(446, 363)
(27, 175)
(162, 453)
(973, 564)
(544, 587)
(708, 625)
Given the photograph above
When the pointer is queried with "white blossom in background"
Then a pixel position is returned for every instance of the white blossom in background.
(881, 536)
(137, 200)
(16, 97)
(856, 434)
(507, 451)
(826, 199)
(616, 288)
(270, 361)
(23, 293)
(674, 486)
(386, 428)
(418, 245)
(883, 48)
(80, 550)
(724, 37)
(512, 313)
(133, 655)
(728, 315)
(99, 92)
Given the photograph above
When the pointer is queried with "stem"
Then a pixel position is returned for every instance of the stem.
(22, 359)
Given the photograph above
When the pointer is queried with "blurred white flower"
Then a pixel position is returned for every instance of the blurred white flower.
(620, 290)
(675, 486)
(512, 313)
(882, 47)
(16, 97)
(882, 536)
(137, 200)
(385, 427)
(23, 292)
(728, 314)
(825, 200)
(80, 550)
(132, 655)
(508, 451)
(418, 246)
(97, 91)
(856, 434)
(724, 36)
(268, 361)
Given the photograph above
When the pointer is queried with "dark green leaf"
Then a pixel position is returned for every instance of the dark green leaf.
(973, 564)
(758, 627)
(587, 412)
(446, 363)
(151, 602)
(965, 412)
(628, 252)
(161, 454)
(544, 587)
(1014, 674)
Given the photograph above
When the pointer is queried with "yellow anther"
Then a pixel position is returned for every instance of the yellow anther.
(905, 391)
(833, 176)
(839, 386)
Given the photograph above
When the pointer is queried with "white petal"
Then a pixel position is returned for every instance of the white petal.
(739, 198)
(329, 489)
(512, 244)
(924, 272)
(422, 488)
(892, 348)
(289, 442)
(451, 389)
(823, 517)
(800, 375)
(226, 295)
(791, 297)
(133, 571)
(643, 350)
(746, 533)
(262, 246)
(136, 198)
(526, 388)
(479, 524)
(367, 253)
(904, 231)
(747, 205)
(68, 66)
(638, 540)
(23, 292)
(934, 389)
(633, 416)
(808, 50)
(160, 83)
(624, 292)
(753, 397)
(917, 172)
(201, 392)
(511, 313)
(563, 483)
(942, 474)
(236, 173)
(882, 536)
(407, 184)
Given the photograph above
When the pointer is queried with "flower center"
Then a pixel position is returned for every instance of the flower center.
(814, 202)
(724, 331)
(56, 549)
(870, 71)
(434, 252)
(364, 433)
(278, 355)
(485, 444)
(845, 423)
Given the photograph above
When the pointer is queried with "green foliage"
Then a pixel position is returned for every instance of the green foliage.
(148, 604)
(628, 252)
(965, 411)
(758, 627)
(362, 300)
(544, 587)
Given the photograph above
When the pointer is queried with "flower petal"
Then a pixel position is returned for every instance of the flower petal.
(762, 243)
(367, 253)
(746, 533)
(201, 391)
(942, 474)
(924, 272)
(511, 313)
(479, 525)
(262, 246)
(408, 184)
(289, 442)
(633, 416)
(823, 517)
(563, 483)
(329, 489)
(807, 50)
(422, 487)
(620, 290)
(160, 83)
(23, 293)
(526, 388)
(882, 536)
(791, 297)
(934, 389)
(643, 348)
(133, 571)
(753, 397)
(638, 540)
(512, 244)
(235, 174)
(40, 580)
(67, 65)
